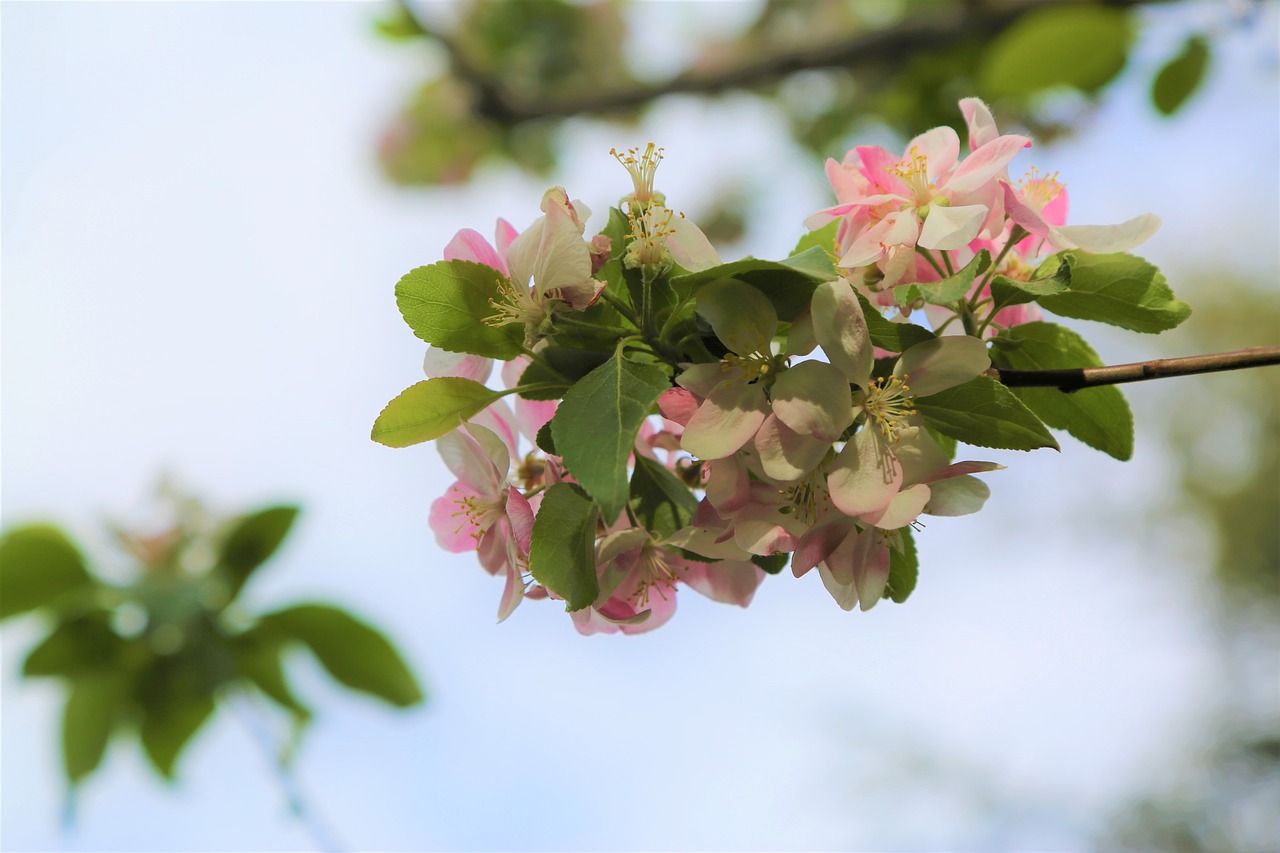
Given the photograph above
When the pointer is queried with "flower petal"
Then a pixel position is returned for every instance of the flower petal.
(725, 421)
(865, 476)
(957, 496)
(742, 317)
(950, 228)
(985, 164)
(1104, 239)
(942, 363)
(841, 330)
(982, 125)
(728, 581)
(785, 454)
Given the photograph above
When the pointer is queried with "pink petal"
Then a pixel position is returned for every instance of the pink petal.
(871, 568)
(785, 454)
(817, 544)
(454, 530)
(728, 581)
(940, 147)
(841, 329)
(813, 399)
(678, 404)
(982, 125)
(728, 486)
(865, 476)
(725, 421)
(438, 362)
(520, 517)
(468, 245)
(942, 363)
(986, 164)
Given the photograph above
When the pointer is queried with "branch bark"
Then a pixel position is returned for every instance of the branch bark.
(1160, 368)
(939, 30)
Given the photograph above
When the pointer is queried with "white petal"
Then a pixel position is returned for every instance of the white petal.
(957, 496)
(1106, 238)
(942, 363)
(841, 330)
(949, 228)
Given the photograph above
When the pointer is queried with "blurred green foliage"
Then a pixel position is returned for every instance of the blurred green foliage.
(157, 655)
(518, 68)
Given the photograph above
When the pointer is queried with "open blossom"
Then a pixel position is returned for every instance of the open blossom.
(928, 197)
(550, 269)
(638, 580)
(659, 235)
(482, 512)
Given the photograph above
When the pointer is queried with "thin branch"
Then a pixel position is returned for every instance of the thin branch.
(941, 29)
(1160, 368)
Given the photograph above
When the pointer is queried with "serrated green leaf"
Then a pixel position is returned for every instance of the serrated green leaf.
(564, 366)
(1081, 45)
(894, 337)
(429, 409)
(38, 565)
(81, 644)
(596, 424)
(1120, 289)
(546, 443)
(1099, 416)
(352, 651)
(661, 502)
(904, 568)
(446, 304)
(93, 705)
(984, 413)
(948, 290)
(252, 541)
(1054, 276)
(1181, 76)
(562, 555)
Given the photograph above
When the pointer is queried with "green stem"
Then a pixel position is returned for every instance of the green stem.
(646, 301)
(946, 260)
(928, 256)
(621, 307)
(575, 323)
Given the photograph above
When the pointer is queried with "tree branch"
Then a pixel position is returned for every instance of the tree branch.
(1090, 377)
(939, 30)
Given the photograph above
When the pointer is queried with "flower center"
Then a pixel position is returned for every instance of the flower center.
(888, 405)
(914, 171)
(483, 514)
(650, 229)
(641, 166)
(806, 498)
(653, 573)
(516, 305)
(1038, 190)
(753, 366)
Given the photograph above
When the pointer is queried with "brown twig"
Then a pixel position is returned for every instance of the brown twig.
(1090, 377)
(939, 30)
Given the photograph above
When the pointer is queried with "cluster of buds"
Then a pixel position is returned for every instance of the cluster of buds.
(755, 414)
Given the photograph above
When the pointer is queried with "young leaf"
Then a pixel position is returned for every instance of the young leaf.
(168, 727)
(984, 413)
(93, 704)
(904, 568)
(257, 655)
(1180, 78)
(1053, 276)
(948, 290)
(446, 304)
(789, 284)
(772, 563)
(825, 239)
(562, 556)
(595, 426)
(1120, 289)
(78, 645)
(353, 652)
(429, 409)
(1099, 416)
(661, 502)
(253, 540)
(38, 564)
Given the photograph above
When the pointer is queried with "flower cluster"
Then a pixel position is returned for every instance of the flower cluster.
(680, 421)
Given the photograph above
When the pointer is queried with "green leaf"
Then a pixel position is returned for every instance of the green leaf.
(1081, 45)
(613, 273)
(546, 443)
(429, 409)
(397, 25)
(1053, 276)
(78, 645)
(93, 704)
(252, 541)
(773, 563)
(946, 442)
(353, 652)
(1098, 416)
(562, 556)
(984, 413)
(904, 568)
(825, 239)
(258, 657)
(1181, 76)
(895, 337)
(570, 364)
(38, 564)
(595, 426)
(1120, 289)
(789, 284)
(168, 727)
(661, 502)
(446, 304)
(949, 289)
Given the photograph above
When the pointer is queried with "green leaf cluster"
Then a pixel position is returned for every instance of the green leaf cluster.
(156, 656)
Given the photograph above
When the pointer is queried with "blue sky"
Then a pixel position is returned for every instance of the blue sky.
(198, 263)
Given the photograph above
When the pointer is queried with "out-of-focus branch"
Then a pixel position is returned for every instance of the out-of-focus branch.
(1089, 377)
(941, 28)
